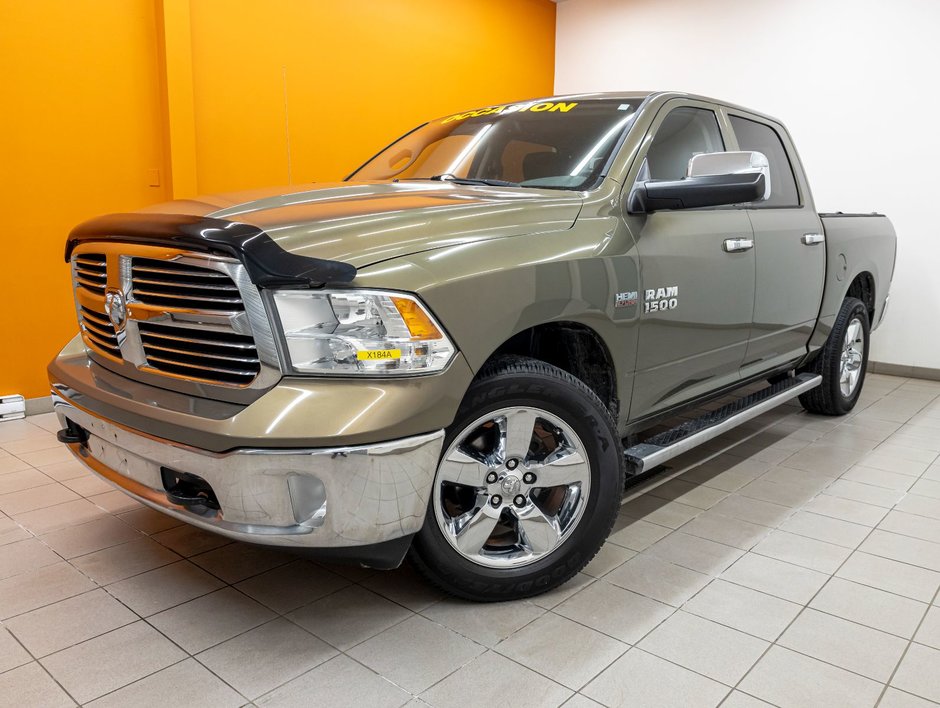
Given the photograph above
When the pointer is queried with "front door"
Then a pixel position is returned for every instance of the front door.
(697, 271)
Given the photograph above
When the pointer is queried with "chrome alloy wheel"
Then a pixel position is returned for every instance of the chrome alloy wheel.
(853, 351)
(511, 487)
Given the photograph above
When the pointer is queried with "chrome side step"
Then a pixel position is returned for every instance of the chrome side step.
(671, 443)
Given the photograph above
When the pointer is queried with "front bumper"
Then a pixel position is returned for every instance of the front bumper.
(325, 498)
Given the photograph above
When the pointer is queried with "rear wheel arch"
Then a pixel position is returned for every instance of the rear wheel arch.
(863, 288)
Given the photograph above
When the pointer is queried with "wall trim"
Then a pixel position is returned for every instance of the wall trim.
(913, 372)
(35, 406)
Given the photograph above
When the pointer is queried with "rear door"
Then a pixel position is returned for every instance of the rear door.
(790, 250)
(696, 298)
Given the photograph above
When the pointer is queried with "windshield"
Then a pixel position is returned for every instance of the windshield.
(554, 144)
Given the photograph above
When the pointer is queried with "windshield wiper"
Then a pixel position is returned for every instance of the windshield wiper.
(447, 177)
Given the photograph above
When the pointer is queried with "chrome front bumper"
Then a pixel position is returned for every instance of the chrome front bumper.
(316, 498)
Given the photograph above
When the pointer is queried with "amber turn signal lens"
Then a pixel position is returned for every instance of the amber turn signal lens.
(416, 319)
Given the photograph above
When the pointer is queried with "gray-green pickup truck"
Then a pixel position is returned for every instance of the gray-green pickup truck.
(454, 352)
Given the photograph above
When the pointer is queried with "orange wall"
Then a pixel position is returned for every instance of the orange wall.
(218, 95)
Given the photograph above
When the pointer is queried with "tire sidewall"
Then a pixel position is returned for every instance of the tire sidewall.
(584, 413)
(852, 309)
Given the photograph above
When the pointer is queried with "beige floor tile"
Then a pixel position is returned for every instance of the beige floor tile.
(846, 510)
(641, 680)
(23, 479)
(39, 440)
(338, 683)
(34, 498)
(30, 685)
(927, 488)
(11, 532)
(61, 516)
(921, 527)
(42, 458)
(867, 493)
(774, 577)
(87, 485)
(738, 699)
(893, 698)
(903, 548)
(719, 652)
(879, 478)
(10, 464)
(918, 673)
(658, 579)
(12, 653)
(290, 586)
(823, 457)
(404, 586)
(636, 534)
(35, 588)
(266, 657)
(489, 679)
(489, 628)
(208, 620)
(920, 505)
(726, 530)
(184, 685)
(610, 556)
(115, 501)
(61, 471)
(71, 621)
(800, 550)
(695, 553)
(779, 493)
(576, 701)
(689, 493)
(25, 555)
(753, 510)
(893, 576)
(238, 561)
(416, 654)
(916, 450)
(726, 472)
(129, 653)
(852, 646)
(553, 598)
(189, 541)
(349, 616)
(825, 528)
(744, 609)
(659, 511)
(564, 650)
(929, 631)
(118, 562)
(149, 521)
(80, 539)
(164, 587)
(788, 679)
(620, 613)
(869, 606)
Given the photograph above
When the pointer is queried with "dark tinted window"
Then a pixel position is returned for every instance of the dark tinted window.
(684, 133)
(762, 138)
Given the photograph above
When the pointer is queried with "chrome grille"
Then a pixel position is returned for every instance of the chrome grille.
(99, 332)
(178, 285)
(206, 355)
(91, 272)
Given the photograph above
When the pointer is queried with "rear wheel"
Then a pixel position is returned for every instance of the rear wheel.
(841, 362)
(527, 488)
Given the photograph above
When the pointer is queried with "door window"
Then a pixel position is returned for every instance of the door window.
(760, 137)
(685, 132)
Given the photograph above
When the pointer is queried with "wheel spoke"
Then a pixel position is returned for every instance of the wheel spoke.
(461, 468)
(563, 467)
(515, 433)
(537, 532)
(852, 335)
(473, 529)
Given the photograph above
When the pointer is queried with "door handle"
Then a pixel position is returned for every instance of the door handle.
(736, 245)
(812, 239)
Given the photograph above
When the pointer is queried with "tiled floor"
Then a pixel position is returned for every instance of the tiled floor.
(795, 561)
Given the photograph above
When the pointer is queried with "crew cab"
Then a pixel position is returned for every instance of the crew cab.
(454, 353)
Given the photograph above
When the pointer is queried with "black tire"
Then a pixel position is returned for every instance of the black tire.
(828, 398)
(524, 382)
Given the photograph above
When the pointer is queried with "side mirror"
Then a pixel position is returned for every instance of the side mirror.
(713, 179)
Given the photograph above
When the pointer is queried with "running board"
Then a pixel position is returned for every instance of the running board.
(671, 443)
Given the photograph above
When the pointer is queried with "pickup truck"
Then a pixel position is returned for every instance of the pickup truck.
(454, 353)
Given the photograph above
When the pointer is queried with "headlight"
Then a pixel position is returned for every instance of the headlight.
(359, 332)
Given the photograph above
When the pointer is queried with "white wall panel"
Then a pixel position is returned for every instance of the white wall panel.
(856, 82)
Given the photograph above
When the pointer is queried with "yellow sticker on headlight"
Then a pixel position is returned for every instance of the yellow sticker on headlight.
(378, 354)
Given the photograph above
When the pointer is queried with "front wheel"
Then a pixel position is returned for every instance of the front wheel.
(527, 488)
(841, 362)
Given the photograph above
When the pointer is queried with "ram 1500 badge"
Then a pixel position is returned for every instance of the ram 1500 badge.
(454, 352)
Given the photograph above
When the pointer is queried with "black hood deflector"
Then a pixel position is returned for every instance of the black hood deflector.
(268, 264)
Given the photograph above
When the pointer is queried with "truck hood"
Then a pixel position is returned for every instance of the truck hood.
(362, 223)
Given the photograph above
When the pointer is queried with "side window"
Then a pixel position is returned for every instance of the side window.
(752, 135)
(685, 132)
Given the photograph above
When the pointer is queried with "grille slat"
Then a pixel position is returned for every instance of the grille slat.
(91, 272)
(181, 286)
(98, 332)
(220, 357)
